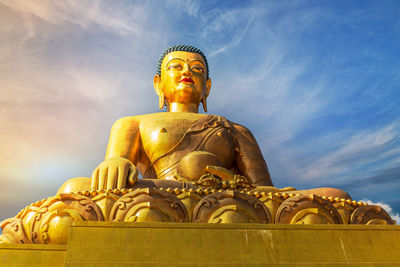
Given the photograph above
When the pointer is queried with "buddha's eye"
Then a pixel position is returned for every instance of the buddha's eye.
(174, 67)
(198, 68)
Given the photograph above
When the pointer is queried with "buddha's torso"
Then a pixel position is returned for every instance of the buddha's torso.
(161, 132)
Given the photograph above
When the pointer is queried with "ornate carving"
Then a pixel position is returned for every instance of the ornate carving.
(345, 210)
(213, 181)
(51, 222)
(105, 202)
(272, 202)
(307, 209)
(370, 214)
(231, 207)
(148, 205)
(190, 200)
(26, 215)
(48, 220)
(13, 232)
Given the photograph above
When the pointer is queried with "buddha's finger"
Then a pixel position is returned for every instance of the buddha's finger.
(122, 176)
(95, 179)
(133, 175)
(112, 177)
(103, 174)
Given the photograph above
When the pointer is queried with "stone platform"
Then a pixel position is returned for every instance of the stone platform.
(32, 255)
(149, 244)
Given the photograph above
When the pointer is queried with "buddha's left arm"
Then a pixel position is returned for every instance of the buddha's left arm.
(119, 166)
(249, 158)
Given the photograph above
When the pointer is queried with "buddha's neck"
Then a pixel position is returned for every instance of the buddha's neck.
(179, 107)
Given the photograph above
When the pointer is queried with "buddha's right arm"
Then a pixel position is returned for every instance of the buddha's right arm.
(122, 155)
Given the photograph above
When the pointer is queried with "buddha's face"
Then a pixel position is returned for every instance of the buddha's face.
(183, 78)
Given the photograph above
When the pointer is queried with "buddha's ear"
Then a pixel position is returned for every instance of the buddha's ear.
(208, 87)
(206, 93)
(204, 103)
(156, 83)
(159, 91)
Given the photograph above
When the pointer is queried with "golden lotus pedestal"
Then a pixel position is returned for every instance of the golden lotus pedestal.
(148, 244)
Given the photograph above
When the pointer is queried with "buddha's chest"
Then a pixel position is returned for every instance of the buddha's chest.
(161, 135)
(170, 136)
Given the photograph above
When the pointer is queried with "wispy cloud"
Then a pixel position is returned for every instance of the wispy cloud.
(381, 178)
(83, 13)
(361, 148)
(220, 22)
(190, 7)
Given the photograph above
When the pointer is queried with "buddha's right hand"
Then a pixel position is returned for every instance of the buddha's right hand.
(114, 173)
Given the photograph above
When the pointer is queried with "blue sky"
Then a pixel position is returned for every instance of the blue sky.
(317, 82)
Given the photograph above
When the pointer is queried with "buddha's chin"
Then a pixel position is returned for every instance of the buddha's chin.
(186, 88)
(186, 94)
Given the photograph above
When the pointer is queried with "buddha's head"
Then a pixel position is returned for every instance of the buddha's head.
(182, 78)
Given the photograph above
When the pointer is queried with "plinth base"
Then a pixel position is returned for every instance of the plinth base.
(149, 244)
(32, 255)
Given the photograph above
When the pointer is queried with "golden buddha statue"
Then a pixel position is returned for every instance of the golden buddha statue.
(195, 168)
(181, 144)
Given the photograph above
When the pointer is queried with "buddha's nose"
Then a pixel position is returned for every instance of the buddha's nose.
(186, 70)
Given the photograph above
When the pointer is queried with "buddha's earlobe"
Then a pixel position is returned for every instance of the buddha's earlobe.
(204, 103)
(159, 91)
(207, 92)
(161, 100)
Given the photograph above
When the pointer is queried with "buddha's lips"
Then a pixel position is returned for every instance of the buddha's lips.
(186, 80)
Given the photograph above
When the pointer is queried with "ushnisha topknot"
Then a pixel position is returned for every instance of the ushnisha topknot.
(184, 48)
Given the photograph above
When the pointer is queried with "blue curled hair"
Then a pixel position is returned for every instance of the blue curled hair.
(184, 48)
